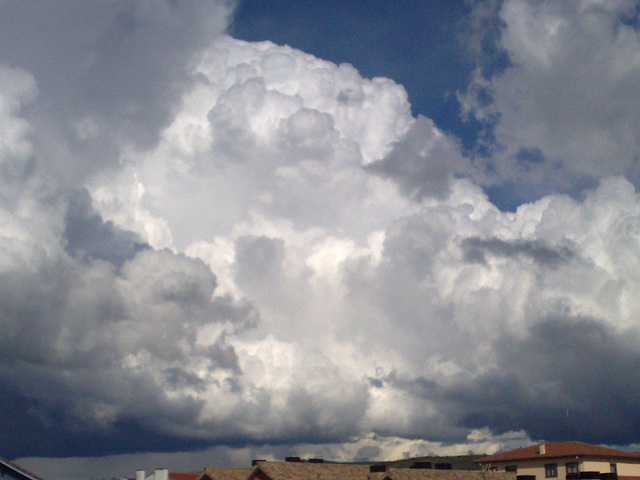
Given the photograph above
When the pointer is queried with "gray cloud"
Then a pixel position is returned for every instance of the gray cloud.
(554, 90)
(107, 72)
(476, 248)
(423, 162)
(86, 234)
(205, 241)
(558, 381)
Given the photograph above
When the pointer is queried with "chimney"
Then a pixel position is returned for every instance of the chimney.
(161, 474)
(542, 448)
(141, 475)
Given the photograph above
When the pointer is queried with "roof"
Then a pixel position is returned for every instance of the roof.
(184, 475)
(427, 474)
(559, 450)
(18, 470)
(341, 471)
(311, 471)
(227, 473)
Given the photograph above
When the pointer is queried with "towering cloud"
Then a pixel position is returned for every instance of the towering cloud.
(211, 242)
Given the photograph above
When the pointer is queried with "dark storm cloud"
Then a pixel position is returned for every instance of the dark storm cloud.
(475, 250)
(86, 234)
(567, 378)
(79, 337)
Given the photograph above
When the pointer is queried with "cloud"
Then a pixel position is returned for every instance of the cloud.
(560, 108)
(551, 381)
(270, 250)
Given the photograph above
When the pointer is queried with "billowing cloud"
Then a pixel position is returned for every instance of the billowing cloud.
(560, 104)
(238, 244)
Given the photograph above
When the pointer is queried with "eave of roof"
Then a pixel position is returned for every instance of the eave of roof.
(560, 450)
(18, 469)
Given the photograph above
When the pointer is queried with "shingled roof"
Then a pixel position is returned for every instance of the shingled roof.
(309, 471)
(426, 474)
(559, 450)
(340, 471)
(226, 473)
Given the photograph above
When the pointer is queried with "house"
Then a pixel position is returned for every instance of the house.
(186, 476)
(302, 470)
(566, 461)
(164, 474)
(427, 474)
(10, 471)
(225, 473)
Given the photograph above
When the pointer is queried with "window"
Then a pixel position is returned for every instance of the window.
(551, 470)
(572, 468)
(511, 468)
(613, 468)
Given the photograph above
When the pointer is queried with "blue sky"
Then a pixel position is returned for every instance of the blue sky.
(348, 230)
(417, 44)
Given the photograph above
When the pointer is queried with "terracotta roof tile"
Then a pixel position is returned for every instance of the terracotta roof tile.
(184, 475)
(560, 449)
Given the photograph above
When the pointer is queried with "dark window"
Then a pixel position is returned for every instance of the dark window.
(613, 468)
(551, 470)
(511, 468)
(572, 468)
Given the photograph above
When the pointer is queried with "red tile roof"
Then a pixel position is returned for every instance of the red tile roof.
(184, 475)
(561, 449)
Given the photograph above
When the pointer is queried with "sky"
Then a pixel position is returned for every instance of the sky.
(347, 230)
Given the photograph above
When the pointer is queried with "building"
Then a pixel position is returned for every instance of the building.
(10, 471)
(566, 461)
(318, 470)
(225, 473)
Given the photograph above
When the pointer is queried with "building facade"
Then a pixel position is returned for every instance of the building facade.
(566, 461)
